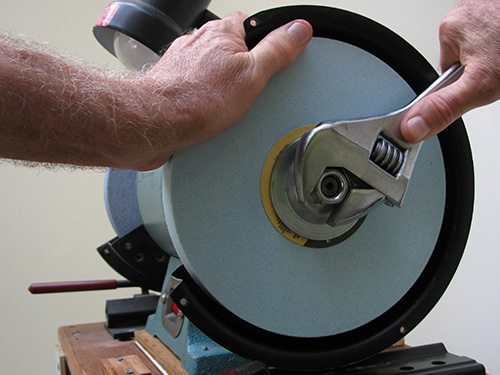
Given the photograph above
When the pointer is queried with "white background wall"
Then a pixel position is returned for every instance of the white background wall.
(51, 222)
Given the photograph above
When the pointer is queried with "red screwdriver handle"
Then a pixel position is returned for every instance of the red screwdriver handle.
(72, 286)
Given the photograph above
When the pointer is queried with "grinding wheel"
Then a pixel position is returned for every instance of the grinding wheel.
(267, 293)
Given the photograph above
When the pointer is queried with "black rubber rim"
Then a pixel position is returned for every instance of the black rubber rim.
(314, 354)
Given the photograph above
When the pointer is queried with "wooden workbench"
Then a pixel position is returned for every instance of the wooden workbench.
(88, 349)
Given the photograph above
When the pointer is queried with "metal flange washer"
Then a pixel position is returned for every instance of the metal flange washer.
(257, 287)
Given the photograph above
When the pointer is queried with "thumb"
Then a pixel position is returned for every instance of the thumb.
(281, 47)
(435, 112)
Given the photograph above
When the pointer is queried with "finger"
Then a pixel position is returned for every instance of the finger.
(236, 22)
(449, 37)
(281, 47)
(232, 24)
(435, 112)
(449, 55)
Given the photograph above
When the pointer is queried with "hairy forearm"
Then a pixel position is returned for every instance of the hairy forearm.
(59, 111)
(55, 110)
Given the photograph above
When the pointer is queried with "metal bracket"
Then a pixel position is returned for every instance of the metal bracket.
(127, 315)
(431, 359)
(137, 257)
(171, 317)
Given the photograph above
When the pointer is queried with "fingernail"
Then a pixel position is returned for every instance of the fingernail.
(299, 32)
(418, 128)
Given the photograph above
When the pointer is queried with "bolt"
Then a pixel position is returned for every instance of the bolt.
(118, 359)
(160, 257)
(163, 298)
(332, 187)
(128, 372)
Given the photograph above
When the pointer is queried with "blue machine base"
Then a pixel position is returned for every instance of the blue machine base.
(199, 355)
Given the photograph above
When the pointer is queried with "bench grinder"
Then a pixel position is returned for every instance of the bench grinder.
(287, 242)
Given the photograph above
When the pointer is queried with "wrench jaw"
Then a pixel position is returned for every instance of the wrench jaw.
(329, 178)
(357, 205)
(371, 152)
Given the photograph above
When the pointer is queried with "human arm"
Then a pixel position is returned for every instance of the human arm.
(52, 110)
(470, 34)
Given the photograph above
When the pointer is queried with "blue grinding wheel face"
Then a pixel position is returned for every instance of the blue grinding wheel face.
(213, 210)
(121, 200)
